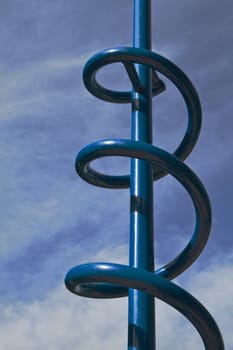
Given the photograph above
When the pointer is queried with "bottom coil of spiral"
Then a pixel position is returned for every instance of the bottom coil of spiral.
(96, 279)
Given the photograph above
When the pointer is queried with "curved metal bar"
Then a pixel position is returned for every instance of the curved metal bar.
(160, 64)
(156, 156)
(133, 55)
(82, 280)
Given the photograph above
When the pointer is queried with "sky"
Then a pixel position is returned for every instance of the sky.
(51, 220)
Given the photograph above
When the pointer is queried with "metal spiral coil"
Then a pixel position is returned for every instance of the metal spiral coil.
(106, 280)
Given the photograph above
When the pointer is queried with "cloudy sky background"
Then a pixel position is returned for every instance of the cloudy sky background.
(51, 220)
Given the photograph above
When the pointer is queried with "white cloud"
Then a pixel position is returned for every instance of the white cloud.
(62, 322)
(214, 288)
(24, 89)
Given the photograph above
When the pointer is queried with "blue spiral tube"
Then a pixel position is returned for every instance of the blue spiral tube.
(149, 163)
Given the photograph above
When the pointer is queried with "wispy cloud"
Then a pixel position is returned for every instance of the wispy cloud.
(27, 87)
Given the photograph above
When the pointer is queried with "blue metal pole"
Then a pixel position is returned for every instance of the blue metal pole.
(141, 331)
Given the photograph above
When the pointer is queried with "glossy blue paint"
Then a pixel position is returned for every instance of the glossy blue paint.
(139, 281)
(141, 305)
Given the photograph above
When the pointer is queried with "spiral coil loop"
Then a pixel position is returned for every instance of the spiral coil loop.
(105, 280)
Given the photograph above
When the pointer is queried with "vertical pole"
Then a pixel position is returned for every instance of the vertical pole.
(141, 331)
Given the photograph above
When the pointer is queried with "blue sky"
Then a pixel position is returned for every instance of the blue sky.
(51, 220)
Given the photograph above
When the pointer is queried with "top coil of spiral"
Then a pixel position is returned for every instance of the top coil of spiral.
(129, 56)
